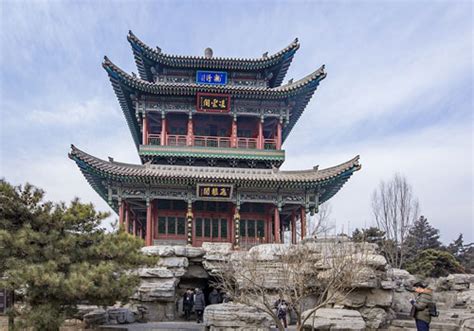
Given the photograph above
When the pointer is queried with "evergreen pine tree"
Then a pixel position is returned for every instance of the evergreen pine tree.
(457, 246)
(422, 236)
(57, 256)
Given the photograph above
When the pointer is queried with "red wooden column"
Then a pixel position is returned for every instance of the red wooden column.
(121, 212)
(148, 235)
(127, 218)
(233, 135)
(260, 143)
(277, 236)
(145, 130)
(163, 130)
(293, 228)
(190, 133)
(134, 224)
(303, 222)
(278, 135)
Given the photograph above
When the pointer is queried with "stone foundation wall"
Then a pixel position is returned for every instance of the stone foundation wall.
(380, 298)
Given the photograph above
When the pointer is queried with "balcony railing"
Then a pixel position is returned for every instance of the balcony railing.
(210, 141)
(269, 144)
(154, 139)
(176, 140)
(207, 141)
(250, 143)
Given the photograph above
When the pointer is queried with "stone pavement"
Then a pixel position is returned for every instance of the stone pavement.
(160, 326)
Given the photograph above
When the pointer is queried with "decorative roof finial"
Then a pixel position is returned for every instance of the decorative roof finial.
(290, 81)
(208, 53)
(265, 55)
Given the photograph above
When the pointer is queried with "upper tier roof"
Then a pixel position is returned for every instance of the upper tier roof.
(147, 57)
(96, 171)
(125, 84)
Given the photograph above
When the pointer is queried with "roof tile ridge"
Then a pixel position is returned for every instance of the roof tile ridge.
(84, 155)
(319, 73)
(133, 38)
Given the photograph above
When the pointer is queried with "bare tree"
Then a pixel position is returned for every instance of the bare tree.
(307, 276)
(395, 209)
(321, 222)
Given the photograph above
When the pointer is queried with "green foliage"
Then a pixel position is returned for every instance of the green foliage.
(57, 256)
(422, 236)
(464, 253)
(371, 235)
(434, 263)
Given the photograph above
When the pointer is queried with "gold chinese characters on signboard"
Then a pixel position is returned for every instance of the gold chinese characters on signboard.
(213, 103)
(214, 191)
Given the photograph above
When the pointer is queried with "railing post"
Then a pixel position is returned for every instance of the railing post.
(163, 129)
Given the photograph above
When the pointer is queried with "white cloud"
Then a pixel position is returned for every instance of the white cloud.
(71, 114)
(436, 161)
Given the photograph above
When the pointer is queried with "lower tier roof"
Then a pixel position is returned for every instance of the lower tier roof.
(98, 172)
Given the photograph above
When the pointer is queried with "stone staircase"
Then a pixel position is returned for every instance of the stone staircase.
(450, 319)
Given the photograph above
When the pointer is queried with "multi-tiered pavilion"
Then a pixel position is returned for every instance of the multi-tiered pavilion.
(209, 132)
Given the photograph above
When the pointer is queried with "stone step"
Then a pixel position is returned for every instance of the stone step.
(435, 325)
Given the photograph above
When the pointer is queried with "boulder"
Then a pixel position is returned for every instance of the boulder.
(379, 298)
(334, 319)
(173, 262)
(468, 324)
(189, 252)
(196, 271)
(269, 252)
(96, 317)
(235, 316)
(459, 282)
(216, 251)
(375, 318)
(161, 250)
(157, 272)
(156, 289)
(401, 302)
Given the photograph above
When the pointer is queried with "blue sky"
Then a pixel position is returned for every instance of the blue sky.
(398, 91)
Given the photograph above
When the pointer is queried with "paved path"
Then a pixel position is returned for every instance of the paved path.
(162, 326)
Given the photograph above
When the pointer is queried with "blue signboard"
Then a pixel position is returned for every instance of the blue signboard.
(211, 77)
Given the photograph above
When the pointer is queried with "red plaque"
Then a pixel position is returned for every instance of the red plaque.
(213, 103)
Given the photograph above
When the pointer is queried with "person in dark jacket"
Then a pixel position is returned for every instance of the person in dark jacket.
(199, 304)
(282, 308)
(421, 306)
(214, 297)
(188, 303)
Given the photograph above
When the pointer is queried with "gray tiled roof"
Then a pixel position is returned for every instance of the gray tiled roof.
(152, 171)
(294, 88)
(146, 56)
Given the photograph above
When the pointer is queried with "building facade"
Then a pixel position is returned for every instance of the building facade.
(209, 132)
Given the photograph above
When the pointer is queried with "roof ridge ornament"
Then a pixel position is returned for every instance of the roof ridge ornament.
(208, 53)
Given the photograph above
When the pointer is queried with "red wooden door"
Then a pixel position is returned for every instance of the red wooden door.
(211, 228)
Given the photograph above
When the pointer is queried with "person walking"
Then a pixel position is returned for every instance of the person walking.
(188, 303)
(282, 308)
(199, 304)
(421, 305)
(214, 297)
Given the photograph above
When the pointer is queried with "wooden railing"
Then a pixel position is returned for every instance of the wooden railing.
(250, 143)
(269, 144)
(154, 139)
(211, 141)
(207, 141)
(176, 140)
